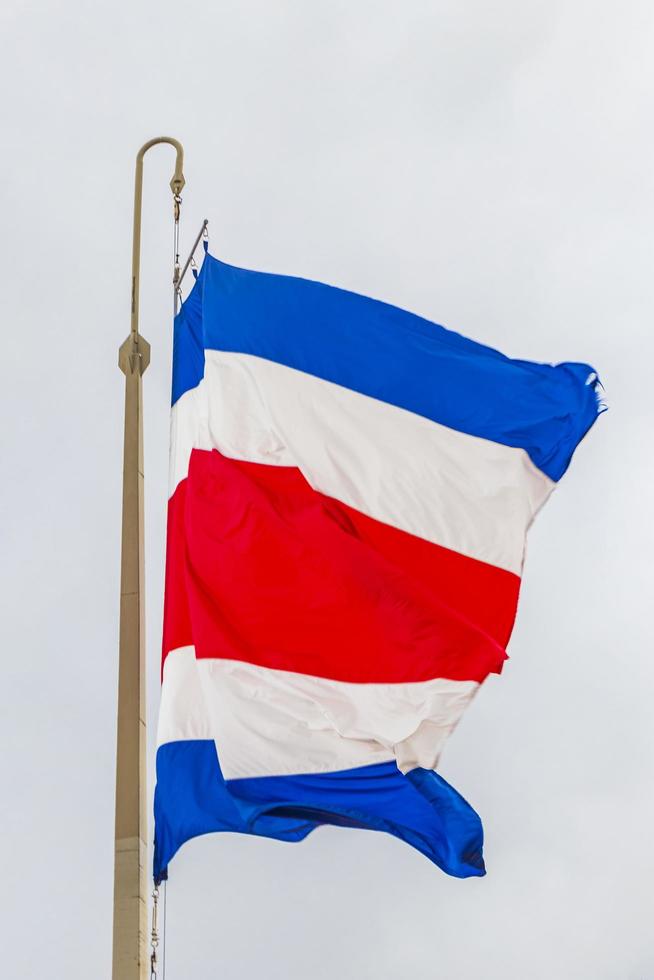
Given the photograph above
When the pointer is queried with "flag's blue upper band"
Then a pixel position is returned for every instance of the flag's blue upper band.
(388, 354)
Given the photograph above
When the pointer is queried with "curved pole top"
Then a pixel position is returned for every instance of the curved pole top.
(136, 350)
(177, 182)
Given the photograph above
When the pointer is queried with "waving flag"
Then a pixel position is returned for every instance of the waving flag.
(350, 490)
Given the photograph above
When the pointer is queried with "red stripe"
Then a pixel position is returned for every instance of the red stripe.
(263, 569)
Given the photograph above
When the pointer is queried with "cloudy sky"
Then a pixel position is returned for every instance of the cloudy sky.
(488, 166)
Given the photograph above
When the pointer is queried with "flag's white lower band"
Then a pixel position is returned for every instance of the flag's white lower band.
(468, 494)
(273, 722)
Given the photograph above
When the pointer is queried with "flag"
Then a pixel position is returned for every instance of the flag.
(350, 491)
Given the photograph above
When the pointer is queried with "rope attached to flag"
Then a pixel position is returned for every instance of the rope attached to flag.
(154, 935)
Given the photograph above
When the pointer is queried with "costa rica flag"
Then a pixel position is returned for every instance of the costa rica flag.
(350, 492)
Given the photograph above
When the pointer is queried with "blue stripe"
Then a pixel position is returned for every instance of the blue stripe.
(192, 798)
(386, 353)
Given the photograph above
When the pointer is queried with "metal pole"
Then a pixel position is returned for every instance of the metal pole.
(130, 960)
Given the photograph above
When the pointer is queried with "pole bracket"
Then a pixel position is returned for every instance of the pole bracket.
(134, 355)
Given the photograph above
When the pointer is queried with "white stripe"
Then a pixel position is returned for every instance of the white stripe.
(468, 494)
(274, 722)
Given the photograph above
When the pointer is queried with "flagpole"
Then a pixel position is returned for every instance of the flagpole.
(130, 960)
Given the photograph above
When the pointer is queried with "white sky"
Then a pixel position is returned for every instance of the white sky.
(488, 166)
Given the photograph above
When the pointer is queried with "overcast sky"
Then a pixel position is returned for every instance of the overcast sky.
(486, 165)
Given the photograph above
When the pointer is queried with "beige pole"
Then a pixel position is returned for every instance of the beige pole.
(130, 960)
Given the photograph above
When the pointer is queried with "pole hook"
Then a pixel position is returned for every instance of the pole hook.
(138, 346)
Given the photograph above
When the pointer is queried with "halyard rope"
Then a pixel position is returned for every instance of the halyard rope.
(154, 933)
